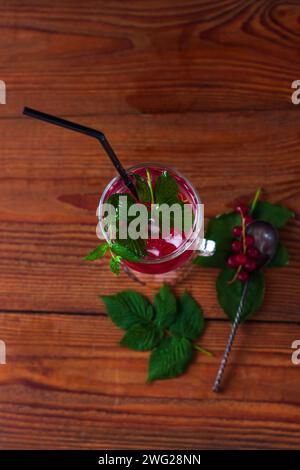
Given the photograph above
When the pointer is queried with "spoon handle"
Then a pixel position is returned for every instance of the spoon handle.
(235, 325)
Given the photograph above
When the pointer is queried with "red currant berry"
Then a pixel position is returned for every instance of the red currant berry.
(243, 276)
(236, 246)
(242, 209)
(249, 240)
(253, 252)
(231, 262)
(250, 265)
(241, 259)
(247, 219)
(237, 231)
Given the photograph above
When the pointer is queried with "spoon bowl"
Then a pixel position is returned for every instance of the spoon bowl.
(265, 240)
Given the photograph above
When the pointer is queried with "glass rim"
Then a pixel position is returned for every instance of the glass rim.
(198, 222)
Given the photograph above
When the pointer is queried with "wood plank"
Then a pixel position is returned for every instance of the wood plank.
(51, 181)
(149, 56)
(206, 86)
(67, 384)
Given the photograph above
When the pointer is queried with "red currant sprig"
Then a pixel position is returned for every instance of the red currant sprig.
(245, 253)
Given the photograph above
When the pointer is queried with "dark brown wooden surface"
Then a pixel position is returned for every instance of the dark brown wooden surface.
(203, 85)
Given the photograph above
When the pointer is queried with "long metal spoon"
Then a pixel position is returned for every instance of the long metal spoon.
(266, 240)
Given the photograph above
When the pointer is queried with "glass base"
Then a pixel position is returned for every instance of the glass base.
(155, 281)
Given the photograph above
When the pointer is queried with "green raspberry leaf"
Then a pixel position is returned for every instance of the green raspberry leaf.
(142, 337)
(127, 308)
(274, 213)
(170, 359)
(124, 252)
(165, 307)
(219, 229)
(97, 253)
(229, 295)
(142, 188)
(165, 189)
(115, 264)
(281, 257)
(190, 320)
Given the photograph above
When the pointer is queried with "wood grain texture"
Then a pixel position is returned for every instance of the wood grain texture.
(52, 181)
(150, 56)
(204, 85)
(67, 384)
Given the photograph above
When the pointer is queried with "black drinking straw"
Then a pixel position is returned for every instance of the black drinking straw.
(73, 126)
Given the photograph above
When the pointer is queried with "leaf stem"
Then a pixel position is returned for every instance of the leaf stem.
(203, 350)
(150, 185)
(244, 249)
(110, 235)
(235, 275)
(243, 233)
(255, 199)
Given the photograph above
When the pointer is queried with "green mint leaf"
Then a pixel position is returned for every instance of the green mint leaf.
(165, 307)
(281, 257)
(170, 358)
(120, 201)
(229, 295)
(274, 213)
(124, 252)
(165, 189)
(115, 264)
(142, 337)
(219, 229)
(127, 308)
(142, 188)
(97, 253)
(190, 320)
(138, 247)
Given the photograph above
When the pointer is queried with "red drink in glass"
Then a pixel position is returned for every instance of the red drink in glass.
(170, 252)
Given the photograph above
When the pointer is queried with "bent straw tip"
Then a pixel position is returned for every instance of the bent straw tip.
(28, 111)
